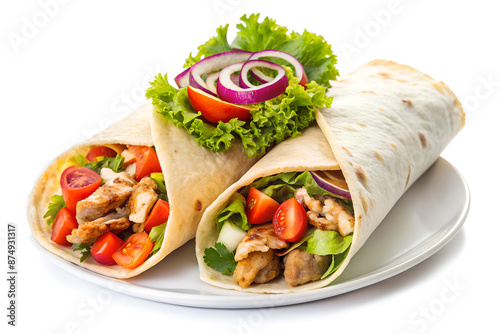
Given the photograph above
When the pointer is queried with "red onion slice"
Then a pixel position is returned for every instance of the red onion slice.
(230, 92)
(182, 80)
(299, 69)
(210, 82)
(332, 181)
(214, 63)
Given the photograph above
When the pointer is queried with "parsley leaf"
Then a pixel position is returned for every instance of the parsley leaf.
(56, 204)
(219, 258)
(84, 250)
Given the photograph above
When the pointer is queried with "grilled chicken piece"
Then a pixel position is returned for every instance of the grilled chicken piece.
(259, 238)
(142, 200)
(302, 267)
(106, 198)
(326, 213)
(89, 232)
(258, 267)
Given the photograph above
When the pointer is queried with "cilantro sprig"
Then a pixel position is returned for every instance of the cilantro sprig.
(220, 259)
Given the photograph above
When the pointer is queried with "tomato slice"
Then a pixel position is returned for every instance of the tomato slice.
(103, 249)
(159, 214)
(214, 109)
(147, 161)
(78, 183)
(290, 221)
(134, 251)
(100, 151)
(63, 224)
(260, 208)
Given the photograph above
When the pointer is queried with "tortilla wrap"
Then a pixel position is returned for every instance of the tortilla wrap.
(387, 125)
(194, 177)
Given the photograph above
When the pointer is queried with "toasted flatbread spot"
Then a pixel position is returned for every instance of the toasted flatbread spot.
(378, 156)
(366, 203)
(368, 92)
(381, 109)
(384, 75)
(408, 102)
(346, 150)
(408, 177)
(362, 125)
(198, 205)
(423, 139)
(361, 174)
(394, 145)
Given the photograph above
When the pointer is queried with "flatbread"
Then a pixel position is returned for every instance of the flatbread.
(387, 125)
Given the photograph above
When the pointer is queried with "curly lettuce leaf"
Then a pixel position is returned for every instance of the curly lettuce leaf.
(274, 121)
(313, 52)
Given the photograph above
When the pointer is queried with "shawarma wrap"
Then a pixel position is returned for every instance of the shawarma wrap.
(387, 125)
(193, 177)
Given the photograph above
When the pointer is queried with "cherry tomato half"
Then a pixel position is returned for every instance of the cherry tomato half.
(78, 183)
(100, 151)
(214, 109)
(63, 224)
(260, 208)
(147, 161)
(104, 247)
(134, 251)
(158, 215)
(290, 221)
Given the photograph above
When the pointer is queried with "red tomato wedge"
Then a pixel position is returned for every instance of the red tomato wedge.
(103, 249)
(63, 224)
(147, 161)
(134, 251)
(290, 221)
(260, 208)
(158, 215)
(100, 151)
(78, 183)
(214, 109)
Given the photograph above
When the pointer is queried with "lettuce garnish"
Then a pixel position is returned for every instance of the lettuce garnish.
(276, 119)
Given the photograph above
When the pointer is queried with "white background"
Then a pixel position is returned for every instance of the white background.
(70, 68)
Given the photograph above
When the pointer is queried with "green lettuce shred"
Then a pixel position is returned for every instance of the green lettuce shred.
(235, 213)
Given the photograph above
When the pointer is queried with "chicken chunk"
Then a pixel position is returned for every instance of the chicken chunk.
(258, 267)
(89, 232)
(259, 238)
(106, 198)
(302, 267)
(326, 213)
(142, 200)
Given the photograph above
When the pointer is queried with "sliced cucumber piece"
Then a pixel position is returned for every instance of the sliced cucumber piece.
(230, 235)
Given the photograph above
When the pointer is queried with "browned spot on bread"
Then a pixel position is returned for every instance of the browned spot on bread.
(384, 75)
(408, 177)
(360, 124)
(197, 205)
(368, 92)
(381, 109)
(366, 203)
(360, 173)
(346, 150)
(378, 156)
(401, 80)
(423, 140)
(408, 102)
(394, 145)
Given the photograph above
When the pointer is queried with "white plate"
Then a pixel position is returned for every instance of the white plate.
(424, 220)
